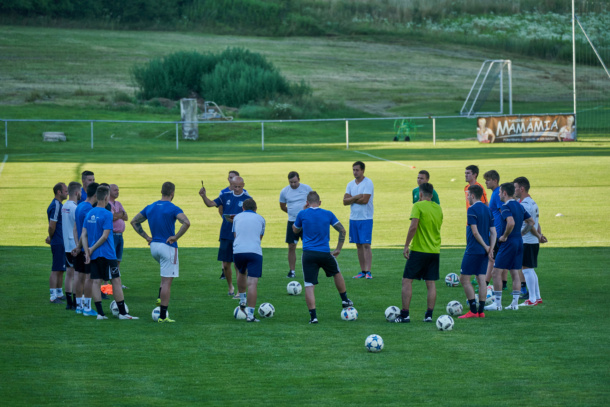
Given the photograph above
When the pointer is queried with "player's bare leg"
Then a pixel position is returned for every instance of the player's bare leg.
(431, 297)
(252, 291)
(468, 288)
(407, 292)
(226, 266)
(292, 256)
(339, 283)
(166, 290)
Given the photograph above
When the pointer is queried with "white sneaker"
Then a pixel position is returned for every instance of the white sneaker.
(127, 316)
(99, 316)
(493, 307)
(513, 307)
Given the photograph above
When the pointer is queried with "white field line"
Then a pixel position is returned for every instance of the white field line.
(2, 165)
(383, 159)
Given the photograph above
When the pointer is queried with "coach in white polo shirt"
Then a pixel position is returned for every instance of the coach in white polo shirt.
(248, 229)
(359, 195)
(292, 200)
(162, 216)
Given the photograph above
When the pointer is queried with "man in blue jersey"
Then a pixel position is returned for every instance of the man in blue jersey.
(56, 240)
(480, 240)
(492, 182)
(101, 254)
(83, 284)
(232, 204)
(292, 201)
(248, 229)
(510, 254)
(315, 223)
(162, 216)
(232, 174)
(87, 177)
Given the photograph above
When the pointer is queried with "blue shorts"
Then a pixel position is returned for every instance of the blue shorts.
(474, 264)
(251, 263)
(118, 245)
(59, 257)
(361, 231)
(510, 255)
(225, 251)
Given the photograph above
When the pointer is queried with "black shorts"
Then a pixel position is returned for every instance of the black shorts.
(69, 260)
(292, 237)
(530, 255)
(104, 269)
(313, 261)
(79, 264)
(422, 266)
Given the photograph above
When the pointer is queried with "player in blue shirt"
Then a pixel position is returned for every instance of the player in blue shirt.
(87, 177)
(55, 238)
(480, 240)
(492, 182)
(232, 204)
(101, 254)
(510, 254)
(315, 223)
(162, 216)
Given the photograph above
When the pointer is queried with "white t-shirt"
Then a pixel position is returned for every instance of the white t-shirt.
(359, 211)
(248, 227)
(68, 219)
(532, 208)
(294, 199)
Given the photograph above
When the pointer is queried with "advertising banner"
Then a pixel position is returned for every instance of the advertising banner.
(526, 129)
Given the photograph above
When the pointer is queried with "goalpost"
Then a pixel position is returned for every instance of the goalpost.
(492, 71)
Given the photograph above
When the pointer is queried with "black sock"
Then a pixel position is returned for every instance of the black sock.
(523, 284)
(486, 282)
(163, 313)
(98, 307)
(404, 313)
(159, 293)
(343, 296)
(121, 305)
(504, 284)
(69, 299)
(312, 314)
(73, 299)
(429, 313)
(473, 306)
(481, 307)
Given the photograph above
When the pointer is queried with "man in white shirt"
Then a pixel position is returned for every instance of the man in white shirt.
(359, 195)
(292, 200)
(248, 230)
(68, 211)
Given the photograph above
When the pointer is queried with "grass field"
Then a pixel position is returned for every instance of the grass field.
(554, 354)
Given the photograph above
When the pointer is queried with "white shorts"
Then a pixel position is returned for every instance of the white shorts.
(167, 257)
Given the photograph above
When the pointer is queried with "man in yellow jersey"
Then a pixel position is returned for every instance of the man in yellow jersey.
(422, 251)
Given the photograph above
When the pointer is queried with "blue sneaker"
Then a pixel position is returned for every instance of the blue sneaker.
(360, 275)
(90, 313)
(525, 295)
(79, 310)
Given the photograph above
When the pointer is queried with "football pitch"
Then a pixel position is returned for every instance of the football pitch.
(552, 354)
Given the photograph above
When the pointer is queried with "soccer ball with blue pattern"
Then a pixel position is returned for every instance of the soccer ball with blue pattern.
(452, 280)
(156, 313)
(294, 288)
(114, 308)
(238, 313)
(444, 323)
(266, 310)
(454, 308)
(373, 343)
(391, 313)
(349, 314)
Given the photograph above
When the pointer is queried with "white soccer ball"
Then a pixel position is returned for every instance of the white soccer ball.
(157, 312)
(349, 314)
(454, 308)
(114, 308)
(238, 313)
(391, 313)
(452, 280)
(266, 310)
(294, 288)
(444, 323)
(373, 343)
(490, 295)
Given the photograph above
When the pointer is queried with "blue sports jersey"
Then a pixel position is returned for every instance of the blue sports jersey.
(519, 214)
(162, 217)
(480, 215)
(83, 195)
(54, 214)
(79, 217)
(316, 223)
(231, 205)
(96, 222)
(495, 204)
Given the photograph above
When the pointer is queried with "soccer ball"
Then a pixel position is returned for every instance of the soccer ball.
(349, 314)
(238, 313)
(452, 280)
(454, 308)
(157, 312)
(490, 295)
(373, 343)
(115, 309)
(391, 313)
(266, 310)
(444, 323)
(294, 288)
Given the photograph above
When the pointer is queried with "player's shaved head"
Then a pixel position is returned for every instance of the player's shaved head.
(313, 197)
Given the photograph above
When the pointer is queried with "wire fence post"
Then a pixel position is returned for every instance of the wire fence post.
(92, 135)
(5, 134)
(347, 134)
(263, 136)
(176, 135)
(434, 131)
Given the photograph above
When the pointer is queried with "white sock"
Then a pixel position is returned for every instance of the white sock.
(87, 304)
(242, 297)
(250, 312)
(530, 281)
(79, 303)
(516, 295)
(498, 298)
(52, 292)
(59, 292)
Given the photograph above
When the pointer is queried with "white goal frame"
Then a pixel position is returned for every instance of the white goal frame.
(469, 103)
